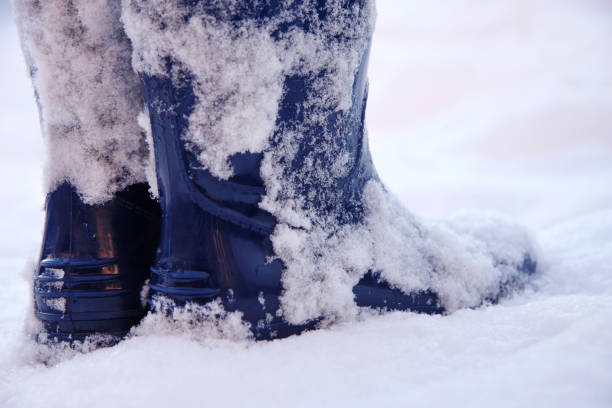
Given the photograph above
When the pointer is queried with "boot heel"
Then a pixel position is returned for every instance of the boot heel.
(95, 259)
(78, 296)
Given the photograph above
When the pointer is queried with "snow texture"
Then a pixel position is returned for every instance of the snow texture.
(88, 95)
(58, 304)
(199, 322)
(237, 68)
(502, 105)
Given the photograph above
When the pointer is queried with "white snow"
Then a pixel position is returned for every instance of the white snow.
(499, 105)
(89, 96)
(58, 304)
(209, 321)
(145, 124)
(233, 113)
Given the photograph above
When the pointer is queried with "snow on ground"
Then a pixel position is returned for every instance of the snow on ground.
(502, 105)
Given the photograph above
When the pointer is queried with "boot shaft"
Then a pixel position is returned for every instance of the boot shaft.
(315, 155)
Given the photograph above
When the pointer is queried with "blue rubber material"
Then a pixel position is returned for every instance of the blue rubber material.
(215, 240)
(94, 262)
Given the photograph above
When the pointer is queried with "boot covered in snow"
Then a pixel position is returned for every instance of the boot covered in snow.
(270, 201)
(94, 262)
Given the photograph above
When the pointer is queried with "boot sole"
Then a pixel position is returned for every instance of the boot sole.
(78, 297)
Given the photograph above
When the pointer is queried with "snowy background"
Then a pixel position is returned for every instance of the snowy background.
(504, 106)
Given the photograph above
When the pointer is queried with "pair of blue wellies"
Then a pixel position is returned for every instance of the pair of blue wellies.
(205, 238)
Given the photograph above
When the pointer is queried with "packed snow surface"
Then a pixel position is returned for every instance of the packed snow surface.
(501, 105)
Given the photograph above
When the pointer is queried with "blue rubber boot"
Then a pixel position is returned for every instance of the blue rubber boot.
(215, 239)
(94, 262)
